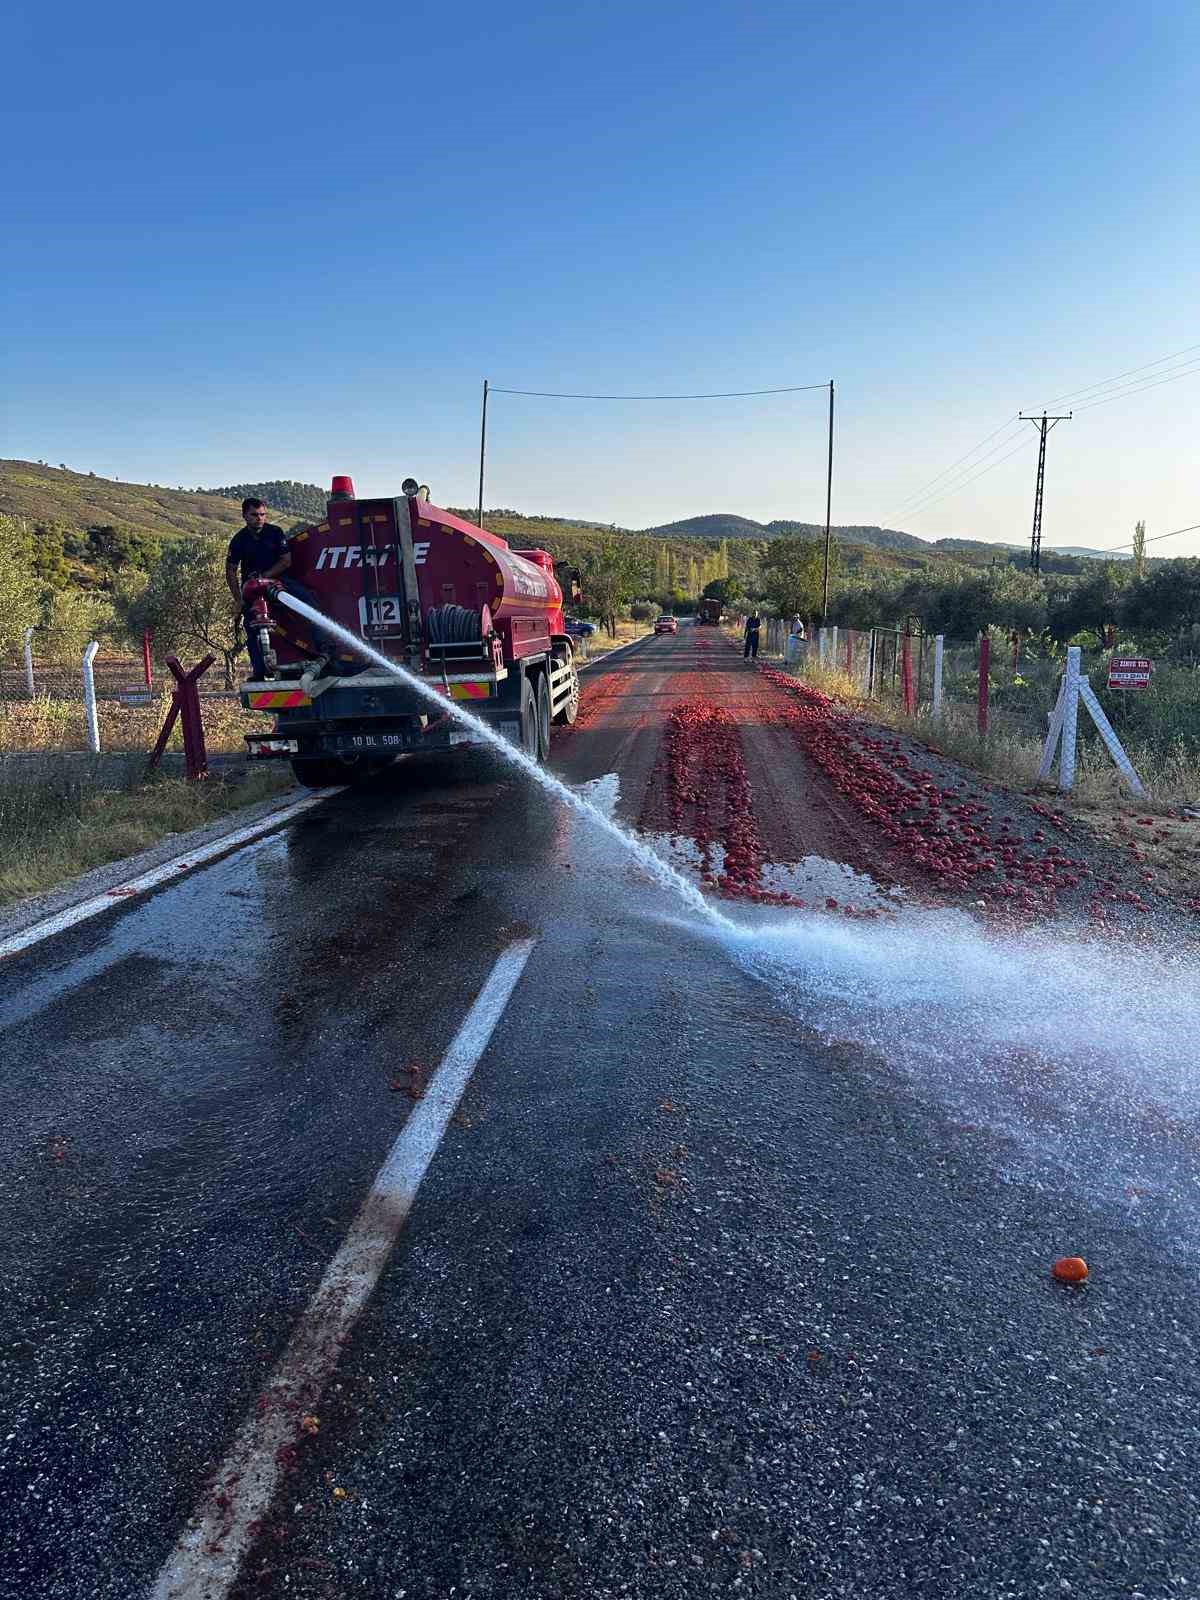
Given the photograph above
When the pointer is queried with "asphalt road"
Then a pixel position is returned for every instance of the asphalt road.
(703, 1293)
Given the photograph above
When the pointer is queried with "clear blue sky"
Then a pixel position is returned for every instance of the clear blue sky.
(285, 241)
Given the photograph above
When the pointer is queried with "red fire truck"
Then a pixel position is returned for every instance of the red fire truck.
(479, 621)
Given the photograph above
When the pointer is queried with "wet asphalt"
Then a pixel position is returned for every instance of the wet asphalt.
(693, 1300)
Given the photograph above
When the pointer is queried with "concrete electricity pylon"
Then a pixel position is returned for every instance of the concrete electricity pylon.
(1043, 425)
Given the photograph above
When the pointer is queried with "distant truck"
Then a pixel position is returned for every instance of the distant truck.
(481, 623)
(708, 611)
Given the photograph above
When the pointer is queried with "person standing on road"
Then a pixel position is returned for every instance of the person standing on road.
(753, 623)
(259, 550)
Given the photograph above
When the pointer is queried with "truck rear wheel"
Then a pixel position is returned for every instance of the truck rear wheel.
(318, 772)
(543, 717)
(569, 708)
(322, 772)
(529, 741)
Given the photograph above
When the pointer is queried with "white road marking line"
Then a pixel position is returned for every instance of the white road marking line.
(151, 880)
(207, 1558)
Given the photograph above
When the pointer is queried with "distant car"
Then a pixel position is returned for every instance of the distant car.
(666, 625)
(580, 630)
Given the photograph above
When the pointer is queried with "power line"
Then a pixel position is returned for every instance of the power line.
(919, 494)
(967, 477)
(917, 503)
(1104, 382)
(1127, 393)
(733, 394)
(971, 474)
(1025, 441)
(1174, 534)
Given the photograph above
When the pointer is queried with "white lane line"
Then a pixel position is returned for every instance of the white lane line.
(207, 1558)
(151, 880)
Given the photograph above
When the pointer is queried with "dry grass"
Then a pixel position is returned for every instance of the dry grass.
(1011, 755)
(600, 642)
(57, 819)
(50, 723)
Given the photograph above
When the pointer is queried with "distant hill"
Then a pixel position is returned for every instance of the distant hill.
(717, 525)
(282, 494)
(726, 525)
(39, 493)
(1089, 555)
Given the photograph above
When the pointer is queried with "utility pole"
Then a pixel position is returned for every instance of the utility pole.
(1043, 425)
(828, 502)
(482, 447)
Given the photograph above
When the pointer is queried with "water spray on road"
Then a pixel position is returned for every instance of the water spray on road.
(1045, 1035)
(646, 858)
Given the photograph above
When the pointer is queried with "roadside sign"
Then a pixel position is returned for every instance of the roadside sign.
(1129, 672)
(135, 697)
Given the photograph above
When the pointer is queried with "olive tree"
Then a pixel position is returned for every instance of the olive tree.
(19, 589)
(187, 606)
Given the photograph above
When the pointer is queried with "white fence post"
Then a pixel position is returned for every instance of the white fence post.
(1053, 731)
(939, 644)
(30, 687)
(833, 648)
(1070, 720)
(1064, 723)
(89, 699)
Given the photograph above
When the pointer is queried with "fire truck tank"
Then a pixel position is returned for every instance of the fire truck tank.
(380, 567)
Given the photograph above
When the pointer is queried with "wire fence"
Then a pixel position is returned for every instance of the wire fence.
(1020, 685)
(1008, 683)
(44, 703)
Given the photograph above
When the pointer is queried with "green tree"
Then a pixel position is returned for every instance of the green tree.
(18, 585)
(187, 606)
(48, 549)
(1091, 604)
(1139, 549)
(72, 619)
(113, 548)
(728, 591)
(613, 573)
(1165, 604)
(793, 576)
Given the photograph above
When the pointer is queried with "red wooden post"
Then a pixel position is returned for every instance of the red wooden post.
(147, 664)
(185, 704)
(985, 654)
(906, 676)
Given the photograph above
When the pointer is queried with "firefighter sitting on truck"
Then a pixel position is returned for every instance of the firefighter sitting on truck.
(260, 549)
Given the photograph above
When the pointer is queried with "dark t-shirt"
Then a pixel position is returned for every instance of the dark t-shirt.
(752, 626)
(257, 549)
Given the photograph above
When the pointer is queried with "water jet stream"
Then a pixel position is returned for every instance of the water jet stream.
(644, 856)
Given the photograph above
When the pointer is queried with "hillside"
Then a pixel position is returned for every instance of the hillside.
(55, 496)
(80, 500)
(304, 500)
(973, 552)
